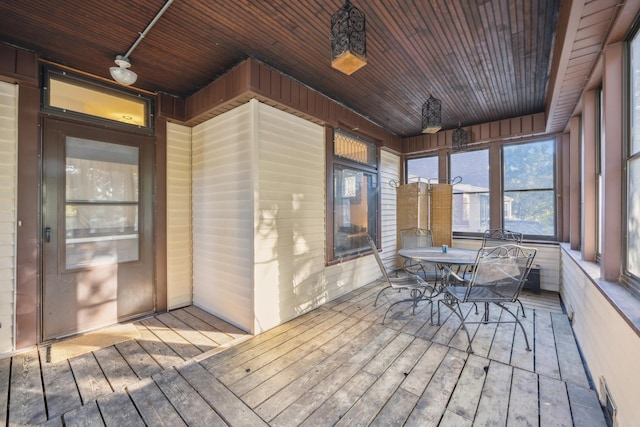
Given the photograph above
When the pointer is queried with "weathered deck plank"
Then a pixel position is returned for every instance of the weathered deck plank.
(87, 415)
(569, 360)
(554, 403)
(200, 341)
(153, 406)
(217, 323)
(244, 378)
(117, 410)
(115, 368)
(358, 336)
(433, 402)
(523, 401)
(236, 355)
(232, 370)
(298, 411)
(520, 356)
(368, 406)
(190, 405)
(91, 381)
(5, 378)
(494, 401)
(60, 390)
(546, 357)
(180, 345)
(396, 409)
(278, 373)
(466, 395)
(233, 410)
(326, 367)
(141, 362)
(26, 405)
(585, 407)
(214, 334)
(156, 348)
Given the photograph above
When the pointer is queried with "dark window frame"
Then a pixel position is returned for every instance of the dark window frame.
(484, 205)
(553, 189)
(333, 160)
(78, 79)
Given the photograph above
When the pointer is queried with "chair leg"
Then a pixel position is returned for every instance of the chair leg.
(515, 316)
(379, 293)
(416, 297)
(522, 308)
(458, 312)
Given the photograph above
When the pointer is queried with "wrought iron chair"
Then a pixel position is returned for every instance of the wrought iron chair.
(498, 277)
(418, 238)
(406, 281)
(500, 236)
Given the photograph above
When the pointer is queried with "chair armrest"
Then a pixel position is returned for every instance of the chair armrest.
(451, 276)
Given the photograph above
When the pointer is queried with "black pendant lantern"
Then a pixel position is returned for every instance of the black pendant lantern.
(431, 110)
(459, 139)
(348, 39)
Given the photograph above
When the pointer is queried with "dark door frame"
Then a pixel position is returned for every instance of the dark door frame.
(29, 233)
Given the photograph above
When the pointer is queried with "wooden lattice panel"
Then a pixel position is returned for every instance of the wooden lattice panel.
(426, 206)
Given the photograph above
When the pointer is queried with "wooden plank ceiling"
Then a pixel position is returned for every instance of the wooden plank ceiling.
(485, 60)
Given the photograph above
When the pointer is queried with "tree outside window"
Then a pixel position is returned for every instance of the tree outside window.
(529, 188)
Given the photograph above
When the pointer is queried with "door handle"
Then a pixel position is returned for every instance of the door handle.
(47, 234)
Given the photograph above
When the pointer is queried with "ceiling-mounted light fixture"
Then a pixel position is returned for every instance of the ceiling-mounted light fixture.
(431, 110)
(348, 39)
(122, 74)
(459, 139)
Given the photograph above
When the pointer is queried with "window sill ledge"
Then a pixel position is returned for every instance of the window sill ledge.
(623, 301)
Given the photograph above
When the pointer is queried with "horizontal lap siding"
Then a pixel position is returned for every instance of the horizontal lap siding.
(259, 218)
(222, 204)
(179, 243)
(608, 344)
(289, 217)
(389, 176)
(8, 184)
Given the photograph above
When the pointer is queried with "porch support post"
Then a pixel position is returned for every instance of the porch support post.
(589, 184)
(612, 173)
(574, 183)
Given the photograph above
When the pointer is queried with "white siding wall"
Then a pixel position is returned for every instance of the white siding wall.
(289, 216)
(259, 267)
(547, 257)
(222, 198)
(389, 175)
(8, 187)
(179, 242)
(609, 345)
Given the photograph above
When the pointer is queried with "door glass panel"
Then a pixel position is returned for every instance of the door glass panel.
(101, 203)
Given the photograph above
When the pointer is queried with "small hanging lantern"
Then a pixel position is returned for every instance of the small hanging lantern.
(459, 139)
(348, 39)
(431, 122)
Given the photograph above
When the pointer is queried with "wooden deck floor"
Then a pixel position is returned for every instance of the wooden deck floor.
(337, 365)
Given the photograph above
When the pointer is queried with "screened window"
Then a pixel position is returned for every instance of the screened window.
(471, 194)
(423, 168)
(529, 188)
(633, 165)
(355, 195)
